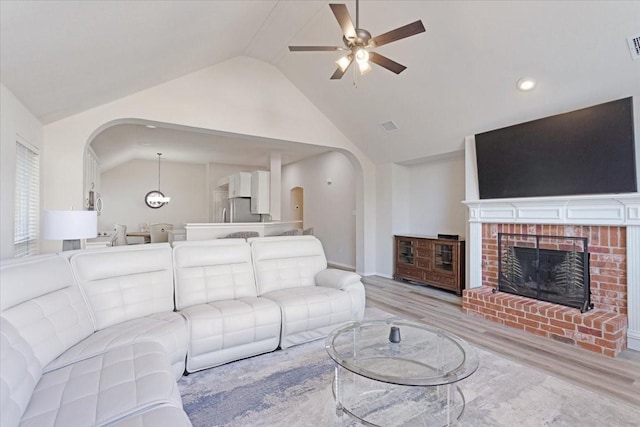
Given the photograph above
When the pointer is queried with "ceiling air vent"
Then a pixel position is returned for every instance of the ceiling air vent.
(634, 46)
(389, 126)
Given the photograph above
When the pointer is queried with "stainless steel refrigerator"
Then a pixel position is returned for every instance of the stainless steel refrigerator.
(238, 209)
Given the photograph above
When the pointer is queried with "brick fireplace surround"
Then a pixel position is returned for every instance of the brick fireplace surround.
(612, 225)
(603, 330)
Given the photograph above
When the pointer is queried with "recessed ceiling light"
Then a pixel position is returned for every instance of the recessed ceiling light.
(526, 84)
(150, 126)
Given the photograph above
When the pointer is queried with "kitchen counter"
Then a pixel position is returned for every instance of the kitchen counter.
(214, 230)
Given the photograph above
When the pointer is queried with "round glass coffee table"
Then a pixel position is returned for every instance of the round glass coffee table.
(399, 373)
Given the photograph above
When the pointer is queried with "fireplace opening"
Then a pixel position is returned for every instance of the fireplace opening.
(547, 268)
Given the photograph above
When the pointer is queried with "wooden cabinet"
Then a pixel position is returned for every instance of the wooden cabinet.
(260, 194)
(240, 185)
(431, 261)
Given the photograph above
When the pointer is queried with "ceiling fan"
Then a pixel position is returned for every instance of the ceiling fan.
(358, 41)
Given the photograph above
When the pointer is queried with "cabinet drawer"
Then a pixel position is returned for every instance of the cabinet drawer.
(423, 253)
(440, 279)
(420, 243)
(424, 263)
(409, 273)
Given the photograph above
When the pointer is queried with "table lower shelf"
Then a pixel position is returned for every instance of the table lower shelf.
(376, 403)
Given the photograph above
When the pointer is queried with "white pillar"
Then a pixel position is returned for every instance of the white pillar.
(275, 167)
(633, 286)
(474, 244)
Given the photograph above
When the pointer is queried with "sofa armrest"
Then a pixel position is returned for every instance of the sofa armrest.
(338, 279)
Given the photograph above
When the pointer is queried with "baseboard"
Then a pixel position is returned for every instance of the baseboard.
(633, 340)
(340, 266)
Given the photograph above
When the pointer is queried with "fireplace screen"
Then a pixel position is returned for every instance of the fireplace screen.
(547, 268)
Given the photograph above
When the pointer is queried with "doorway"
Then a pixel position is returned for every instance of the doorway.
(297, 204)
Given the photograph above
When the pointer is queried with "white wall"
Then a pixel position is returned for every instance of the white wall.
(15, 122)
(328, 208)
(384, 219)
(123, 189)
(393, 182)
(436, 195)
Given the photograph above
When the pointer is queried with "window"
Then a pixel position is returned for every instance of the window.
(27, 201)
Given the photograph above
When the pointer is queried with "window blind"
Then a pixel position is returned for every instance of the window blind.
(27, 202)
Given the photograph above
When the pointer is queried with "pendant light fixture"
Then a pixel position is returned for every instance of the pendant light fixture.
(154, 198)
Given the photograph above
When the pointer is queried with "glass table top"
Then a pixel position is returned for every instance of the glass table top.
(423, 356)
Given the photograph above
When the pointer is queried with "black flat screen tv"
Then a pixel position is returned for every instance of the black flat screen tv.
(587, 151)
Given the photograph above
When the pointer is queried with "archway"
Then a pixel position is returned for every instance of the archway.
(299, 196)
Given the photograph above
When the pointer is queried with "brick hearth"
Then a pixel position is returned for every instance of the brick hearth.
(602, 330)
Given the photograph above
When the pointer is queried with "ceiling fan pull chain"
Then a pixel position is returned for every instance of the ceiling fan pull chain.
(355, 78)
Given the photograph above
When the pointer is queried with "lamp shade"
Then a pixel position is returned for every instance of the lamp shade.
(70, 225)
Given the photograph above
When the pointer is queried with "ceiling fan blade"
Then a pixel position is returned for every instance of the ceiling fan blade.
(398, 34)
(344, 19)
(315, 48)
(337, 75)
(340, 72)
(385, 62)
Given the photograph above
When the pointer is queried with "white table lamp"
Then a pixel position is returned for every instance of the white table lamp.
(70, 227)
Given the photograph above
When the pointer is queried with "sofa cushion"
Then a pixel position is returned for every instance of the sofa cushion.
(286, 262)
(125, 282)
(40, 298)
(224, 331)
(168, 329)
(213, 270)
(27, 278)
(20, 371)
(310, 313)
(104, 388)
(334, 278)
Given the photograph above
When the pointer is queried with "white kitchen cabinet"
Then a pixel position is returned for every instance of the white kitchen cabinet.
(240, 185)
(260, 192)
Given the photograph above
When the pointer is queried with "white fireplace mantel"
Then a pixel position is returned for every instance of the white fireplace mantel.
(611, 209)
(603, 210)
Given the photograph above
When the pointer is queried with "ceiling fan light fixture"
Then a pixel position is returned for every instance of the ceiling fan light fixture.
(362, 58)
(344, 62)
(364, 67)
(362, 55)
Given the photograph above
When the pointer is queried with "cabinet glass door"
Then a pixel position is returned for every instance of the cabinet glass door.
(405, 251)
(443, 256)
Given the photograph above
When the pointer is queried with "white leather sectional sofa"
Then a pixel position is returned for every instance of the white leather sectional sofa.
(99, 337)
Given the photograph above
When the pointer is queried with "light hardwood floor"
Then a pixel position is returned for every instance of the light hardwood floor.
(618, 377)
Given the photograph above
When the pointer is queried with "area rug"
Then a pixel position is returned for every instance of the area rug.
(292, 387)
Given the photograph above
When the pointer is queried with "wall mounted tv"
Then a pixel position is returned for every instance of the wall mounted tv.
(588, 151)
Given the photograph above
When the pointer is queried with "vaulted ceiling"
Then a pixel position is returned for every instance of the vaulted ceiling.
(62, 57)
